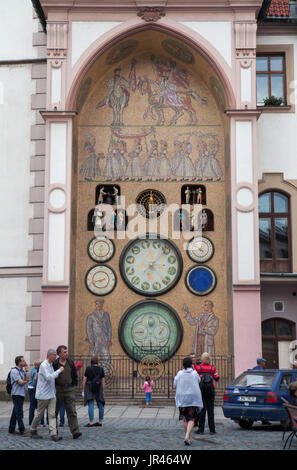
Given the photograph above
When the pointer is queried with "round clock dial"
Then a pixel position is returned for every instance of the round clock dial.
(151, 266)
(200, 249)
(101, 249)
(200, 280)
(151, 327)
(101, 280)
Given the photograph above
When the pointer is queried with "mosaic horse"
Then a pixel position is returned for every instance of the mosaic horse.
(162, 95)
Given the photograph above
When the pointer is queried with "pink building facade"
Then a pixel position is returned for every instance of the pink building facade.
(224, 34)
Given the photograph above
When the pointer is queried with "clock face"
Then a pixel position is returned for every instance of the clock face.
(150, 327)
(200, 280)
(151, 266)
(200, 249)
(101, 280)
(101, 249)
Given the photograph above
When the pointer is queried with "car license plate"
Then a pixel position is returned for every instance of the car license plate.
(253, 399)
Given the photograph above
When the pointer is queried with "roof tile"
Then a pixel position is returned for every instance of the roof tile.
(279, 8)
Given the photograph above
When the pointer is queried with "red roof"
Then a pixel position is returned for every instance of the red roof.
(279, 8)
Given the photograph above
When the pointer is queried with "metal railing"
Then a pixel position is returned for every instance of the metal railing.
(122, 378)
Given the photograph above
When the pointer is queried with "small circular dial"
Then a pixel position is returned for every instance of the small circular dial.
(151, 266)
(101, 249)
(200, 249)
(200, 280)
(101, 280)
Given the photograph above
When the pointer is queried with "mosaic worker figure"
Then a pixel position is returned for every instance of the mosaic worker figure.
(164, 168)
(151, 165)
(113, 167)
(207, 325)
(99, 333)
(135, 166)
(185, 167)
(212, 169)
(90, 168)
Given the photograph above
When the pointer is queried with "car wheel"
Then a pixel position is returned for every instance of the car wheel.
(246, 423)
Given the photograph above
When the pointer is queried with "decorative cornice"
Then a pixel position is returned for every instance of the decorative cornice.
(151, 14)
(57, 39)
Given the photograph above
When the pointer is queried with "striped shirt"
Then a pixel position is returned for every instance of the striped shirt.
(207, 369)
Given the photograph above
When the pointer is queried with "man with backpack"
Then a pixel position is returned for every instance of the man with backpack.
(16, 382)
(208, 375)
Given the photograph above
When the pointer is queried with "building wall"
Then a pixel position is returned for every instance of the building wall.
(20, 99)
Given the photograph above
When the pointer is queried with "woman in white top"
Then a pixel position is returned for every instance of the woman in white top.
(188, 397)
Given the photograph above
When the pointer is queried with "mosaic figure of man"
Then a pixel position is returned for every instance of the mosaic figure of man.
(99, 334)
(207, 324)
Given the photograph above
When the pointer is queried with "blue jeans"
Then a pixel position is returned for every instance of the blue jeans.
(33, 404)
(91, 410)
(62, 413)
(148, 397)
(17, 415)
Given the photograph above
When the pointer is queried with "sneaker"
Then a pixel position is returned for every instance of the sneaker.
(76, 435)
(61, 425)
(56, 438)
(212, 432)
(199, 432)
(34, 435)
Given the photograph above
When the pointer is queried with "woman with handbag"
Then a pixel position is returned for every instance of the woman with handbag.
(93, 389)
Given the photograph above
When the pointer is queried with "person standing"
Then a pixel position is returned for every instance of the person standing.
(46, 396)
(188, 397)
(65, 388)
(260, 364)
(93, 389)
(32, 390)
(148, 389)
(208, 375)
(19, 377)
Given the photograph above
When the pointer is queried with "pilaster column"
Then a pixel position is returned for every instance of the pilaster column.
(57, 44)
(55, 283)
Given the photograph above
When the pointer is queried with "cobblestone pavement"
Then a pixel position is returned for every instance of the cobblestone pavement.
(138, 428)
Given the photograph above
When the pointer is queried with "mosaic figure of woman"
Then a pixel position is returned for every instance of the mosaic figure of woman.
(212, 169)
(90, 168)
(201, 159)
(122, 156)
(151, 164)
(175, 161)
(164, 167)
(185, 168)
(135, 166)
(113, 168)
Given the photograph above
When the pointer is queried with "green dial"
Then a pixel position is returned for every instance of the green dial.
(150, 326)
(151, 266)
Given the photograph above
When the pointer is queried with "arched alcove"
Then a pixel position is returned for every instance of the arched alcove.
(150, 115)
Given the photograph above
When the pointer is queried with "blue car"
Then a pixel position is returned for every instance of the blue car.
(256, 396)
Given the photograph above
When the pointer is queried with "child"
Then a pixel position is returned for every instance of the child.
(147, 387)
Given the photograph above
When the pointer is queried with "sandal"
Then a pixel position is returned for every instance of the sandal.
(187, 442)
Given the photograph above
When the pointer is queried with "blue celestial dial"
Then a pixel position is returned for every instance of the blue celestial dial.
(200, 280)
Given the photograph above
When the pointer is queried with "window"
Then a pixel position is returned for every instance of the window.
(274, 225)
(271, 77)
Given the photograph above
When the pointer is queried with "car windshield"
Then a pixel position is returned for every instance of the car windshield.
(254, 379)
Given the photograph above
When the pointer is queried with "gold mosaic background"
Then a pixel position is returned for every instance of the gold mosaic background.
(174, 71)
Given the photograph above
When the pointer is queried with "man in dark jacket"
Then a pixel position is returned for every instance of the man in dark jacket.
(65, 388)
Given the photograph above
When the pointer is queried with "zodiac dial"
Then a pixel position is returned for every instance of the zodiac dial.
(150, 326)
(151, 266)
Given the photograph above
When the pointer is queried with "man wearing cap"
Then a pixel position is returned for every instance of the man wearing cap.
(260, 364)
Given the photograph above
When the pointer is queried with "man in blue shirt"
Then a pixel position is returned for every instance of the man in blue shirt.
(260, 364)
(19, 378)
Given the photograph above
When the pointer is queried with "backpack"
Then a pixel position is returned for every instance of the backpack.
(8, 382)
(95, 384)
(206, 383)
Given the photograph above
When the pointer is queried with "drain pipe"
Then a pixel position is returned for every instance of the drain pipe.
(40, 13)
